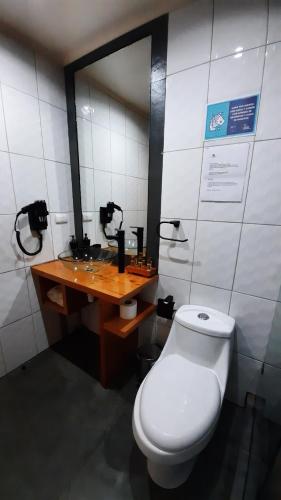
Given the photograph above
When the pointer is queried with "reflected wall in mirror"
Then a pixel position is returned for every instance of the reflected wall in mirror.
(113, 109)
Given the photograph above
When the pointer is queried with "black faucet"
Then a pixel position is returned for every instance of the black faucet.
(139, 234)
(120, 238)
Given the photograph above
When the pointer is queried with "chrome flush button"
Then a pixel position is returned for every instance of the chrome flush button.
(203, 316)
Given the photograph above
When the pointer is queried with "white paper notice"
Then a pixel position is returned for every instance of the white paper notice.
(223, 172)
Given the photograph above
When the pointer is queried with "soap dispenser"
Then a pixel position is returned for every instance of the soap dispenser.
(74, 246)
(86, 241)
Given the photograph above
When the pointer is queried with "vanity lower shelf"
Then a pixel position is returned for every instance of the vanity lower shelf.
(123, 327)
(117, 340)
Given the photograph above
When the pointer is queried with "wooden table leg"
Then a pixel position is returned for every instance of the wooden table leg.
(115, 352)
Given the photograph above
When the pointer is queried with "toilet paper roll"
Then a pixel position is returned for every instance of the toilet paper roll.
(128, 310)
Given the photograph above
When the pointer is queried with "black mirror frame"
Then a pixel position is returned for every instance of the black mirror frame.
(158, 30)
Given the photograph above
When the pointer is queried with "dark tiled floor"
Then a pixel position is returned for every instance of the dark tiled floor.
(63, 437)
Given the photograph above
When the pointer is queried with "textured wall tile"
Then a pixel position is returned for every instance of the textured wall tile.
(191, 28)
(215, 253)
(175, 259)
(259, 261)
(238, 25)
(209, 296)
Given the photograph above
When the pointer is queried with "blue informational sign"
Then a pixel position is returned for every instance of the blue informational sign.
(232, 117)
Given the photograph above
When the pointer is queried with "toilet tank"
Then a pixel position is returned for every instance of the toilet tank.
(204, 336)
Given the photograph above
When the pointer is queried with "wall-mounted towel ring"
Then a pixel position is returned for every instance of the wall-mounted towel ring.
(176, 224)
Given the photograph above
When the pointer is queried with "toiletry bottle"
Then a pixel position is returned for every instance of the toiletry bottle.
(86, 241)
(74, 246)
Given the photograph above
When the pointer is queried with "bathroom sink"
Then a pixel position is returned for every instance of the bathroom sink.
(91, 262)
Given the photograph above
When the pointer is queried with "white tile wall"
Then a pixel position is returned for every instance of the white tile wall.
(186, 109)
(269, 126)
(263, 199)
(54, 132)
(176, 259)
(118, 153)
(34, 164)
(179, 288)
(22, 122)
(259, 261)
(3, 133)
(32, 292)
(84, 131)
(117, 117)
(119, 189)
(254, 317)
(273, 351)
(234, 76)
(82, 97)
(18, 342)
(87, 189)
(89, 226)
(245, 376)
(61, 233)
(238, 25)
(190, 28)
(28, 241)
(11, 255)
(228, 212)
(101, 148)
(231, 270)
(274, 21)
(41, 338)
(180, 184)
(50, 80)
(17, 66)
(100, 107)
(2, 363)
(142, 194)
(143, 159)
(215, 253)
(30, 173)
(14, 296)
(7, 197)
(209, 296)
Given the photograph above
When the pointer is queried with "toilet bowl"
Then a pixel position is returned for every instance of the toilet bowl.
(178, 404)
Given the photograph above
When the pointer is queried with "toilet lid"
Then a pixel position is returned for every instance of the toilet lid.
(180, 402)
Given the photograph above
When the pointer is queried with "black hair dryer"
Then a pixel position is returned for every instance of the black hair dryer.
(37, 218)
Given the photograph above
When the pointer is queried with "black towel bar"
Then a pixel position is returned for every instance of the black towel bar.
(176, 224)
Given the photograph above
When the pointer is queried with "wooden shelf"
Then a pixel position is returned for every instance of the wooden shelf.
(123, 327)
(73, 300)
(54, 306)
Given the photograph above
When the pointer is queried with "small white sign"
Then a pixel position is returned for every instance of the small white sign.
(223, 173)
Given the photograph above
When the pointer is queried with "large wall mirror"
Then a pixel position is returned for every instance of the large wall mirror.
(116, 99)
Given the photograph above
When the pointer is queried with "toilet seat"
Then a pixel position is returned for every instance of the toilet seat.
(180, 402)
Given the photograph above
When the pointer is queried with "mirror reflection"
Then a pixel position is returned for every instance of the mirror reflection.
(113, 107)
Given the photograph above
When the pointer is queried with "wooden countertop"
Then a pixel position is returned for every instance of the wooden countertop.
(107, 284)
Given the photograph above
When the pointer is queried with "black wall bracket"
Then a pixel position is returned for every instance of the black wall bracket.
(165, 307)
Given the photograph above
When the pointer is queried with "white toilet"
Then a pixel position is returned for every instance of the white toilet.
(178, 404)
